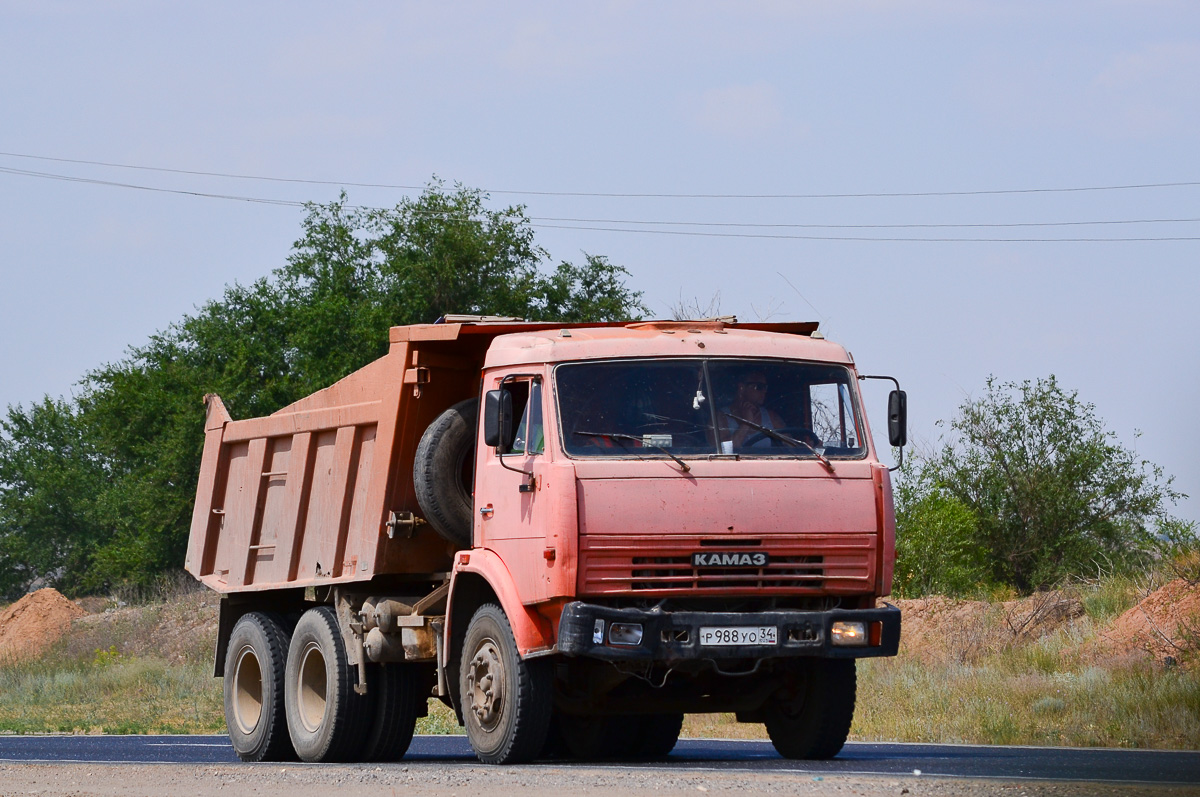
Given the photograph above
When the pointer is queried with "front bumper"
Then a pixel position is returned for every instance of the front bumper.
(675, 636)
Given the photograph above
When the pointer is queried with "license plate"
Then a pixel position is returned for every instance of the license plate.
(740, 635)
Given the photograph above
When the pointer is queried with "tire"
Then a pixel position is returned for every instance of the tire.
(254, 677)
(811, 718)
(443, 472)
(506, 702)
(631, 738)
(555, 747)
(597, 738)
(396, 691)
(327, 720)
(657, 735)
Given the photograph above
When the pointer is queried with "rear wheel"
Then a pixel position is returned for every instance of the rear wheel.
(506, 702)
(327, 720)
(254, 676)
(397, 690)
(810, 718)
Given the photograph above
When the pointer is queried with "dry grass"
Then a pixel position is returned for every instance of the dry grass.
(124, 669)
(109, 693)
(1040, 694)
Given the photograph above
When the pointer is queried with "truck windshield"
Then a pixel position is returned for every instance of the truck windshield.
(703, 407)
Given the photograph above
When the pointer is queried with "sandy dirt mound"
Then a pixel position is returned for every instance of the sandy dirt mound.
(1166, 624)
(34, 623)
(940, 629)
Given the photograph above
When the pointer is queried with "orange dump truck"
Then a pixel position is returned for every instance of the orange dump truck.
(570, 534)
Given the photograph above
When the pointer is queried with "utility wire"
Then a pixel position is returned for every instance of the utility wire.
(620, 195)
(93, 181)
(864, 238)
(584, 224)
(641, 222)
(763, 225)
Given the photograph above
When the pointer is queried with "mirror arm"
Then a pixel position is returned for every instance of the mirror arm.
(891, 379)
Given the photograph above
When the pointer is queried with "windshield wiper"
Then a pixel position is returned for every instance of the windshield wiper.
(782, 438)
(620, 436)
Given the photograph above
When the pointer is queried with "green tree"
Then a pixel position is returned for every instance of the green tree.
(50, 474)
(100, 490)
(1050, 490)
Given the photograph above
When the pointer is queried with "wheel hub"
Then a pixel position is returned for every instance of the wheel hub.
(311, 691)
(247, 691)
(485, 682)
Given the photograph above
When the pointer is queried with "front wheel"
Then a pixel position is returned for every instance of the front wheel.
(810, 717)
(657, 735)
(643, 737)
(506, 702)
(597, 738)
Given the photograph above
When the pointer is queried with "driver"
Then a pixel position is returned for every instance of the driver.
(749, 403)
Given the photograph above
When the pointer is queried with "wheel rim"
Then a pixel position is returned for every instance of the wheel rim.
(485, 683)
(311, 694)
(247, 690)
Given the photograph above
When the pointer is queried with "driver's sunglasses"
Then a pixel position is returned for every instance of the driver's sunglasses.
(756, 385)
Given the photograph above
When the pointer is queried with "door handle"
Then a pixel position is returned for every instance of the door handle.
(486, 511)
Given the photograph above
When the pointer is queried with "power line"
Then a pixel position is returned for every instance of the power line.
(639, 222)
(93, 181)
(864, 237)
(789, 225)
(621, 195)
(589, 224)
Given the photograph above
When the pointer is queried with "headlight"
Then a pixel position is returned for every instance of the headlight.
(625, 634)
(848, 633)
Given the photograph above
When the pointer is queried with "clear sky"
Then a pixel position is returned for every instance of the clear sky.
(768, 98)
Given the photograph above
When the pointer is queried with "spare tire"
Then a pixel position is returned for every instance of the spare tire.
(443, 473)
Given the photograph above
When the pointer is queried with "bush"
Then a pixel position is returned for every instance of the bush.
(936, 550)
(1050, 491)
(1179, 546)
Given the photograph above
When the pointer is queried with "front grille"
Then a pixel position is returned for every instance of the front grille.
(799, 564)
(676, 572)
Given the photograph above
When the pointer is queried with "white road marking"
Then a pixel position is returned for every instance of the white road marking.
(185, 744)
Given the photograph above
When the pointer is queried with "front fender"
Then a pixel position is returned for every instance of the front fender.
(533, 633)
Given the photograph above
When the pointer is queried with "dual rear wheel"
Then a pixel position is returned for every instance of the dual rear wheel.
(294, 697)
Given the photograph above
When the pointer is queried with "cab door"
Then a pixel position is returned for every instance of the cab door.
(509, 506)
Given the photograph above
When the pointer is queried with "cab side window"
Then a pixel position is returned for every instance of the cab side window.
(527, 406)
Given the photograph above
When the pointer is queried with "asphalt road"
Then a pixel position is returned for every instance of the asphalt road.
(1019, 763)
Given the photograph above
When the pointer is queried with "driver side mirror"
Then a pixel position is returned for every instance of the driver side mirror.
(497, 418)
(898, 418)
